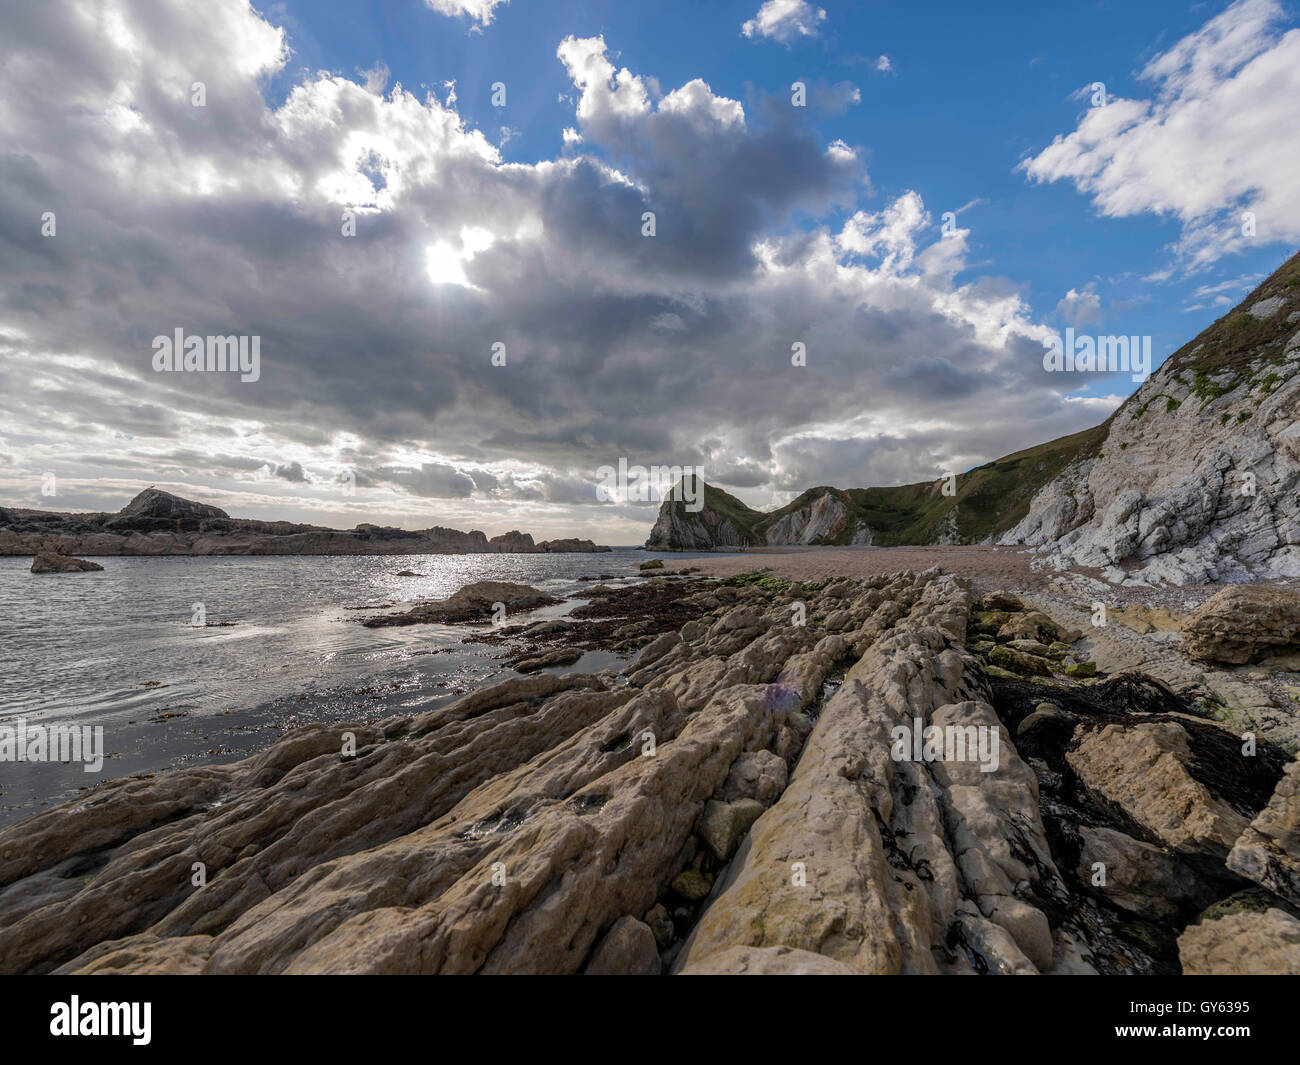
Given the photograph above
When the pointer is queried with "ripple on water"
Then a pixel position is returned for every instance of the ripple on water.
(117, 648)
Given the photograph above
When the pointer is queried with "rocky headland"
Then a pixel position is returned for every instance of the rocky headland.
(892, 774)
(158, 523)
(50, 563)
(1194, 479)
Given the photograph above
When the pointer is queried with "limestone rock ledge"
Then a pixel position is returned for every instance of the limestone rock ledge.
(893, 866)
(733, 802)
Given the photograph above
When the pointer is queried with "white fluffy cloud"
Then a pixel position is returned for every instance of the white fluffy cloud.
(784, 21)
(1205, 148)
(480, 11)
(1080, 307)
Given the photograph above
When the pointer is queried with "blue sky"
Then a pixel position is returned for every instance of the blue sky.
(475, 225)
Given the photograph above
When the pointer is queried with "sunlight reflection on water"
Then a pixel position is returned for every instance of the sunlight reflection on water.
(121, 641)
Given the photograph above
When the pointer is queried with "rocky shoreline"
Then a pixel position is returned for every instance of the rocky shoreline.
(159, 523)
(737, 798)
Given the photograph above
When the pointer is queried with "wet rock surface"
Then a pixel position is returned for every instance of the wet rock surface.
(621, 619)
(474, 602)
(1246, 934)
(787, 777)
(1268, 851)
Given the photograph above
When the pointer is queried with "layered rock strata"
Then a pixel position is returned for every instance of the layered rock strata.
(738, 799)
(1198, 478)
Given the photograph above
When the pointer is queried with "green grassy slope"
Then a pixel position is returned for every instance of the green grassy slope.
(727, 506)
(1238, 338)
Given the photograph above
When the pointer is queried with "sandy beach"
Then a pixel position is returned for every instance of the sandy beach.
(987, 566)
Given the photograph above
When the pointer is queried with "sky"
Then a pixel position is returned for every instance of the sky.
(487, 247)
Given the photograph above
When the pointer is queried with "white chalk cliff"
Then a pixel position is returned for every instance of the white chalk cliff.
(1198, 478)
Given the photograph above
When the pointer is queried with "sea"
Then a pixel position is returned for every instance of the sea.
(190, 661)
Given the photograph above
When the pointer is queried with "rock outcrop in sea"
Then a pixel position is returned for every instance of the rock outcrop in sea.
(721, 522)
(158, 523)
(474, 602)
(46, 562)
(798, 778)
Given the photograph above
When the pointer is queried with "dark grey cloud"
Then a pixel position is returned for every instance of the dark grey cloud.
(436, 480)
(376, 350)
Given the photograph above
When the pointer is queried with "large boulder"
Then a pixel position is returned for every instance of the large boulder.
(1002, 600)
(1242, 935)
(759, 775)
(1244, 623)
(1019, 662)
(1140, 878)
(723, 823)
(628, 949)
(46, 562)
(1034, 625)
(555, 656)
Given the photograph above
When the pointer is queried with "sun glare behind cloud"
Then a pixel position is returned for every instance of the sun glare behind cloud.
(445, 262)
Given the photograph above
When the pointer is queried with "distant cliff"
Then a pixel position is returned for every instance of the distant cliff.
(986, 502)
(159, 523)
(722, 521)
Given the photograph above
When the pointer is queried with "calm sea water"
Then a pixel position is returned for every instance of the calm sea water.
(117, 649)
